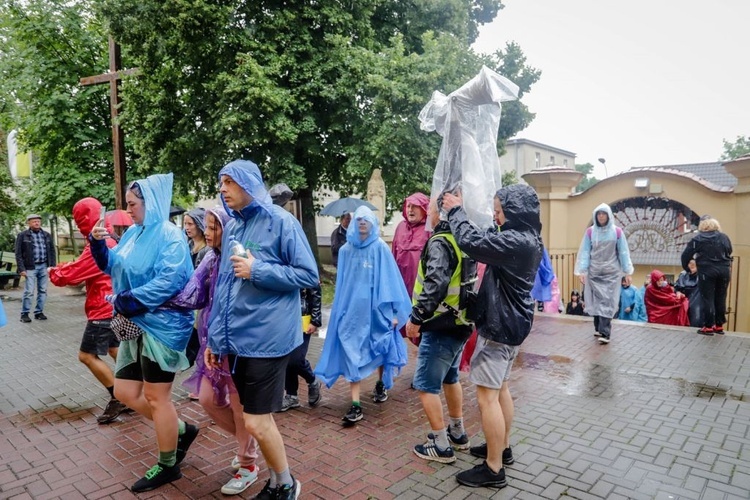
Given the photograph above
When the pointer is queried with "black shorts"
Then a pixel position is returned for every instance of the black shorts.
(98, 338)
(145, 370)
(259, 382)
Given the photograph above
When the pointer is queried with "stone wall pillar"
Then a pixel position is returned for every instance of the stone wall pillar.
(376, 195)
(554, 185)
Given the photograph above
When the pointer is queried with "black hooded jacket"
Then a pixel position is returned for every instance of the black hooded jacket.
(505, 307)
(712, 251)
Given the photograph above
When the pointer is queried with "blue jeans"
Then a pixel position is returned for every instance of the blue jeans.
(35, 278)
(438, 360)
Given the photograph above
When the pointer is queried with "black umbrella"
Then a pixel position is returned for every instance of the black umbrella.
(176, 210)
(345, 205)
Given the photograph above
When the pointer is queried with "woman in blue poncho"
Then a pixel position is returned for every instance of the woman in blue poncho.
(370, 306)
(149, 265)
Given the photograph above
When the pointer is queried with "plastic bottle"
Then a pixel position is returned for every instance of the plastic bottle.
(236, 248)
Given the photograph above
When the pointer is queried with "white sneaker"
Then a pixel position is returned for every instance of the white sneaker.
(604, 340)
(240, 482)
(236, 463)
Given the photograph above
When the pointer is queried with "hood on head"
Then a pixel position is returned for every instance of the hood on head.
(610, 219)
(656, 275)
(248, 176)
(352, 232)
(419, 199)
(221, 215)
(280, 194)
(198, 215)
(521, 207)
(86, 213)
(157, 197)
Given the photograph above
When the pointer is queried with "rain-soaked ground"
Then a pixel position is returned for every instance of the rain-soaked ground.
(658, 413)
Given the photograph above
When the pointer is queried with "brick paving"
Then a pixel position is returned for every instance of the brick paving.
(659, 413)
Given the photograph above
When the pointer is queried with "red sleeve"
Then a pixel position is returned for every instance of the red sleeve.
(76, 272)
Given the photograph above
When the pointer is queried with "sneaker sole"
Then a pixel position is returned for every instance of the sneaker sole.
(460, 447)
(442, 460)
(603, 341)
(380, 399)
(486, 484)
(597, 334)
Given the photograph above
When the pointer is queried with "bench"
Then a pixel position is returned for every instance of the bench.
(7, 275)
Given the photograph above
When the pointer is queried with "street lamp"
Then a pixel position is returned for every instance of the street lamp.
(604, 164)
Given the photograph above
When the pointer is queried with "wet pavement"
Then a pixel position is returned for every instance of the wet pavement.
(658, 413)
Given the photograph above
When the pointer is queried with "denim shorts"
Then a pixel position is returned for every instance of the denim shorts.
(98, 338)
(438, 360)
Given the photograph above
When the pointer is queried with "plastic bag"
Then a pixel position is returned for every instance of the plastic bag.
(468, 120)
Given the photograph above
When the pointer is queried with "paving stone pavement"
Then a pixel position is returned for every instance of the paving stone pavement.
(659, 413)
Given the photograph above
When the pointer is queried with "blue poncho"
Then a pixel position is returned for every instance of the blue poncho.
(369, 295)
(152, 262)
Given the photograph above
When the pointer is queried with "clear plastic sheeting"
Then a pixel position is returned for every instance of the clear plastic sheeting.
(468, 120)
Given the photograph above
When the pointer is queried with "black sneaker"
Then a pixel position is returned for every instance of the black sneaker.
(430, 451)
(353, 415)
(460, 443)
(482, 475)
(185, 440)
(379, 394)
(313, 394)
(267, 493)
(111, 412)
(481, 452)
(156, 476)
(603, 340)
(40, 316)
(289, 492)
(25, 318)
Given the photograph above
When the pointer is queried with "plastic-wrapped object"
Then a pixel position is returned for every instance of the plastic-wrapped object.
(468, 120)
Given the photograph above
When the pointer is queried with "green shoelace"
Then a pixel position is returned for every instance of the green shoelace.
(154, 471)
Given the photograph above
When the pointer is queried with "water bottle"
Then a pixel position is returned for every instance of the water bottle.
(236, 248)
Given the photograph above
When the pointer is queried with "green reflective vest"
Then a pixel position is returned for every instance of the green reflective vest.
(451, 301)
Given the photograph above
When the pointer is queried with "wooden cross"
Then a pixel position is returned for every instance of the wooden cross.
(113, 77)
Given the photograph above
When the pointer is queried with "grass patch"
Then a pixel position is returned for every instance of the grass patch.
(328, 283)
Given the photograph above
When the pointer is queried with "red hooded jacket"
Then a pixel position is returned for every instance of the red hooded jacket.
(84, 269)
(409, 240)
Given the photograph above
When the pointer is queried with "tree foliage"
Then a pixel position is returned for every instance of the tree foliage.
(46, 46)
(732, 150)
(317, 93)
(588, 180)
(8, 205)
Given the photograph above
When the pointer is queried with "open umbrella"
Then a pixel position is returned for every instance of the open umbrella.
(118, 217)
(176, 210)
(345, 205)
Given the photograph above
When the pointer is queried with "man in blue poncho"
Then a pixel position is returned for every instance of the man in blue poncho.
(370, 306)
(255, 317)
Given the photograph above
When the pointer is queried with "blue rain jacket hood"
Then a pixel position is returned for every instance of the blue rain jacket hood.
(260, 317)
(247, 175)
(370, 294)
(152, 261)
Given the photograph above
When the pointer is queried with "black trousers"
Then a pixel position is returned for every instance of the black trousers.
(713, 285)
(299, 366)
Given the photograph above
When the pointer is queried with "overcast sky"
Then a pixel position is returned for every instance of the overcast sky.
(639, 83)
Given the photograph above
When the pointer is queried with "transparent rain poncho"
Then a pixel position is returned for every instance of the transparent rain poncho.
(468, 120)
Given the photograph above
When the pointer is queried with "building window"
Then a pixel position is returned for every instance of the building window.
(537, 160)
(565, 162)
(551, 160)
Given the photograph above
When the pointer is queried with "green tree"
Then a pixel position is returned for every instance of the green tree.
(47, 45)
(588, 180)
(732, 150)
(509, 178)
(318, 94)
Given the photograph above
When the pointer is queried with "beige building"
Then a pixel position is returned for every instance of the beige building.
(523, 156)
(658, 209)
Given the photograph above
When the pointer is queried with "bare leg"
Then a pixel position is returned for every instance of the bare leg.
(263, 429)
(164, 414)
(508, 409)
(354, 388)
(130, 393)
(454, 398)
(98, 368)
(493, 425)
(433, 408)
